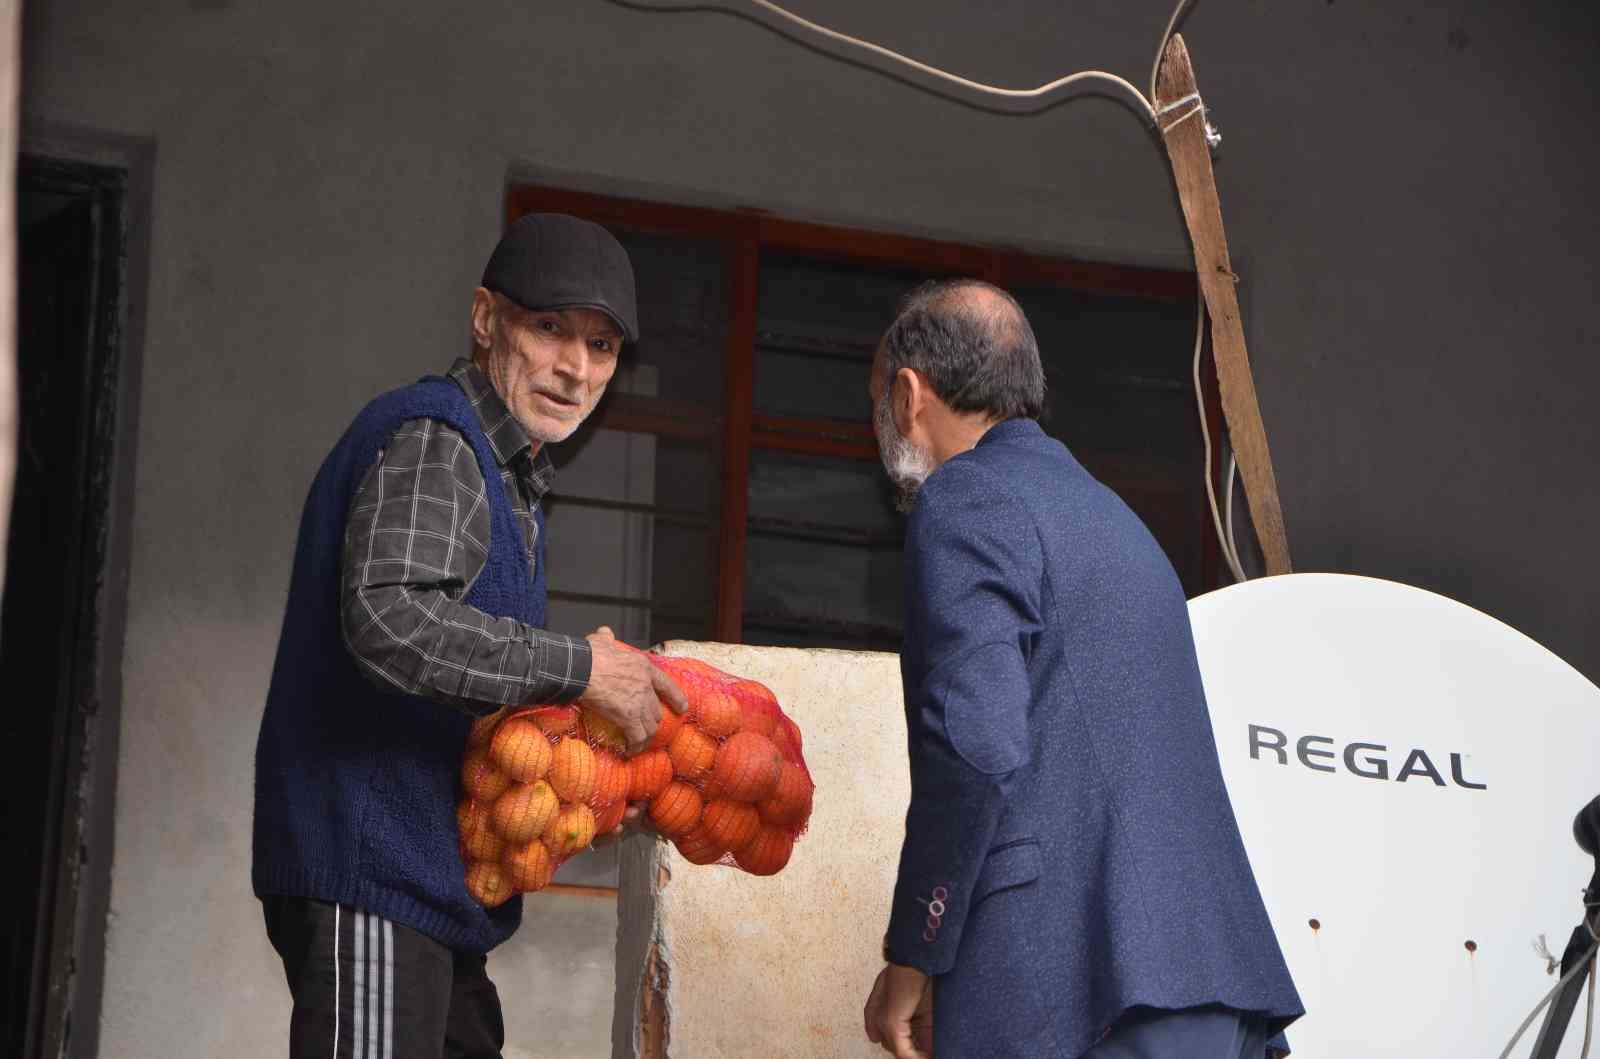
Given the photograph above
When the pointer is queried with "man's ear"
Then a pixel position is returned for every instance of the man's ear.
(908, 397)
(483, 313)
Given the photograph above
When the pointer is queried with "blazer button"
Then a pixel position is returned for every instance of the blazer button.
(928, 935)
(933, 922)
(941, 894)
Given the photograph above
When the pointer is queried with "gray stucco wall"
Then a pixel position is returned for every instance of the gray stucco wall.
(1407, 190)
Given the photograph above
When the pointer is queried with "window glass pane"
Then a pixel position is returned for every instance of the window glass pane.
(632, 522)
(823, 553)
(682, 289)
(817, 323)
(1121, 397)
(806, 385)
(1118, 371)
(845, 493)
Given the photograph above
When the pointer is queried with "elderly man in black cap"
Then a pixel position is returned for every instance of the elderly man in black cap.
(416, 604)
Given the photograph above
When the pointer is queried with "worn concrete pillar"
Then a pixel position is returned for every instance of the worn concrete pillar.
(712, 962)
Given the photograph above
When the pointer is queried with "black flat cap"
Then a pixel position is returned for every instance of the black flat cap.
(552, 261)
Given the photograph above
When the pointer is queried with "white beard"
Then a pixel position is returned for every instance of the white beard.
(907, 465)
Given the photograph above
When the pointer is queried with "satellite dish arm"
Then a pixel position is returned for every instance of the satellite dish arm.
(1581, 947)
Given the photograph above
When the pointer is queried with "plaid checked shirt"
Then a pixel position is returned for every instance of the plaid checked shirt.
(416, 539)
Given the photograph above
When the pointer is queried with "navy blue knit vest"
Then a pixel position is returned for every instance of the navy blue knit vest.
(356, 785)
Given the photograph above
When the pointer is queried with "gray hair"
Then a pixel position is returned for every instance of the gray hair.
(971, 341)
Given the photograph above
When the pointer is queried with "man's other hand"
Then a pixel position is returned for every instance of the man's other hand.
(627, 690)
(899, 1012)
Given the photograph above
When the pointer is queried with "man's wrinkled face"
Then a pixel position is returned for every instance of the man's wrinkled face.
(907, 465)
(550, 367)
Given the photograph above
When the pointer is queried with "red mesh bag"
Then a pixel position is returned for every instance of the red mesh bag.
(726, 783)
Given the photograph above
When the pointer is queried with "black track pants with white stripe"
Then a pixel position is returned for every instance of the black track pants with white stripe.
(366, 988)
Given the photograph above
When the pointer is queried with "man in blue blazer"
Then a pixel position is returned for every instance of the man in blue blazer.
(1072, 881)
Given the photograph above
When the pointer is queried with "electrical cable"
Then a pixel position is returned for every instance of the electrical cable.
(1590, 922)
(1588, 1025)
(1581, 965)
(1017, 100)
(1227, 506)
(1161, 51)
(1205, 436)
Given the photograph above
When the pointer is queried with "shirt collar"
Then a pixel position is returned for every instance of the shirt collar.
(506, 436)
(542, 473)
(507, 439)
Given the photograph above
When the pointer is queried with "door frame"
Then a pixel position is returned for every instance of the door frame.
(67, 987)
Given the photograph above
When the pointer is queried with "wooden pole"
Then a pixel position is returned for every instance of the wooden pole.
(1185, 137)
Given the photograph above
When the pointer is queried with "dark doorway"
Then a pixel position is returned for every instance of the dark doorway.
(70, 269)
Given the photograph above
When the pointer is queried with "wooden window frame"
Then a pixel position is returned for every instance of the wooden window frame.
(745, 234)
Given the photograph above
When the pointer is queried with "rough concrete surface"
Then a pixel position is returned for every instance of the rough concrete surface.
(550, 980)
(780, 966)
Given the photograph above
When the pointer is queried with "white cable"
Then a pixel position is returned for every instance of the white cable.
(1198, 108)
(1579, 966)
(1588, 1025)
(1023, 100)
(1227, 507)
(1205, 435)
(1161, 51)
(1192, 97)
(336, 993)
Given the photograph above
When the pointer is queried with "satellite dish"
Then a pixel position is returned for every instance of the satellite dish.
(1405, 771)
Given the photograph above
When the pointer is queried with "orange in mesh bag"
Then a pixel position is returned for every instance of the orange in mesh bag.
(726, 783)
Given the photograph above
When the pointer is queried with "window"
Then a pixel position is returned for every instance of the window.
(728, 486)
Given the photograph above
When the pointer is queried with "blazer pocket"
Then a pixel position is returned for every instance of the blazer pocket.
(1007, 868)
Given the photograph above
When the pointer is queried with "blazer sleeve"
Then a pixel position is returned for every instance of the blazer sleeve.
(974, 581)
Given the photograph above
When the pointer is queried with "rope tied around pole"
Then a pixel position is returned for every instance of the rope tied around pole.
(1213, 137)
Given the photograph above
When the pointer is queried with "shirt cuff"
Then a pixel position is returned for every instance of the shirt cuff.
(562, 667)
